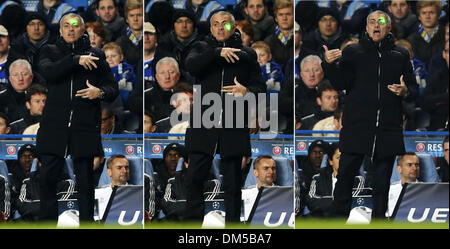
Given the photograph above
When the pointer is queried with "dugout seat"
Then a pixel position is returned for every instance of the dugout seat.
(136, 172)
(285, 175)
(148, 167)
(4, 169)
(68, 167)
(428, 172)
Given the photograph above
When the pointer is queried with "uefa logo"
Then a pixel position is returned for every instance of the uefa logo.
(129, 149)
(301, 145)
(420, 147)
(276, 150)
(156, 148)
(11, 150)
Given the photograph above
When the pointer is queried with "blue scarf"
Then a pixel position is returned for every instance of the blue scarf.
(281, 37)
(135, 40)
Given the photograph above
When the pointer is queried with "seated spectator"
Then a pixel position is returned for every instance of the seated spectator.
(281, 40)
(271, 71)
(53, 11)
(110, 122)
(157, 95)
(123, 72)
(131, 39)
(327, 101)
(7, 55)
(201, 8)
(28, 203)
(247, 34)
(5, 199)
(33, 39)
(97, 34)
(419, 67)
(19, 169)
(329, 33)
(265, 171)
(149, 125)
(409, 169)
(36, 95)
(184, 100)
(4, 124)
(434, 99)
(352, 14)
(118, 170)
(310, 165)
(429, 36)
(165, 169)
(150, 44)
(437, 62)
(332, 123)
(404, 19)
(13, 98)
(178, 42)
(258, 15)
(108, 16)
(312, 74)
(323, 183)
(174, 201)
(442, 162)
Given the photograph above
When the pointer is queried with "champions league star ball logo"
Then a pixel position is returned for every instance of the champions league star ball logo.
(156, 148)
(360, 201)
(129, 149)
(420, 147)
(11, 150)
(276, 150)
(301, 145)
(70, 204)
(216, 205)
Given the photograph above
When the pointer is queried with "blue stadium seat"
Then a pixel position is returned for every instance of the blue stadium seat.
(68, 164)
(136, 172)
(77, 3)
(216, 169)
(148, 167)
(285, 175)
(4, 169)
(227, 2)
(180, 164)
(428, 172)
(33, 165)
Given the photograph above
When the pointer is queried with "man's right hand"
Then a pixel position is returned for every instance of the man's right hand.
(230, 54)
(331, 55)
(87, 61)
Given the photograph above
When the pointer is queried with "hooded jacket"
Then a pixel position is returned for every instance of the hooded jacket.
(72, 124)
(372, 113)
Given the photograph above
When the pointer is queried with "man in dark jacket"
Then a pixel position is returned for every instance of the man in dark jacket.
(221, 65)
(78, 79)
(372, 119)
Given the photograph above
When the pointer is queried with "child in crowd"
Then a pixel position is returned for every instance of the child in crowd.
(271, 71)
(123, 72)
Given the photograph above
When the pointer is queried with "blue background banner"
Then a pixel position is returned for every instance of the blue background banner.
(275, 208)
(126, 206)
(424, 202)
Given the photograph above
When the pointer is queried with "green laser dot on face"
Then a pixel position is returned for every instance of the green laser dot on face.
(227, 26)
(382, 20)
(73, 21)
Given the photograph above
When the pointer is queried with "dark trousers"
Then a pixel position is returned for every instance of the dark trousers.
(197, 174)
(50, 172)
(349, 165)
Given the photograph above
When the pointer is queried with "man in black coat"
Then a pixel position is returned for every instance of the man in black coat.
(78, 79)
(372, 119)
(221, 65)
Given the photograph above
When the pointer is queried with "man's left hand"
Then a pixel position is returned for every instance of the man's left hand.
(399, 89)
(237, 90)
(91, 92)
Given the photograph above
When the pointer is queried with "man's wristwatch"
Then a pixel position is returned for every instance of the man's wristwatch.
(102, 94)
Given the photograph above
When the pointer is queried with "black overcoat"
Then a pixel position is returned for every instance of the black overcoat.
(72, 124)
(212, 72)
(372, 115)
